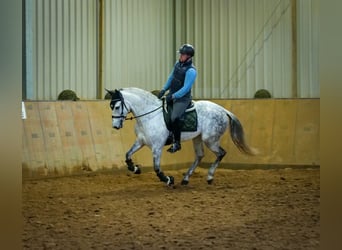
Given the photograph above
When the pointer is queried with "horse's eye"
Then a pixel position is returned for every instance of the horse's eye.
(117, 107)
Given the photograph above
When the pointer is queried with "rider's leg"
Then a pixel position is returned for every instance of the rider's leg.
(176, 130)
(179, 108)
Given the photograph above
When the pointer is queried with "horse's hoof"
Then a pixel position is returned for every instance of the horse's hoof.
(210, 181)
(170, 181)
(137, 170)
(185, 182)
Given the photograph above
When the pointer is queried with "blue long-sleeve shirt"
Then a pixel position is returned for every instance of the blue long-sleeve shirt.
(190, 77)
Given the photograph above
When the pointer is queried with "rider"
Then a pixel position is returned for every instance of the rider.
(179, 84)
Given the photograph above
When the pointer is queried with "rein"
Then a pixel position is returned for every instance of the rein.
(135, 117)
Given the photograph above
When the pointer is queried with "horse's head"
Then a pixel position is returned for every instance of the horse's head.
(119, 108)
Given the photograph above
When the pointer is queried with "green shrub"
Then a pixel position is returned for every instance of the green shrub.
(108, 96)
(155, 92)
(262, 93)
(68, 94)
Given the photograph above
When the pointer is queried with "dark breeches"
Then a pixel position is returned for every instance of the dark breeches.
(178, 109)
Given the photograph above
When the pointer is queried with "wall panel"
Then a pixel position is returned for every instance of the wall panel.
(241, 46)
(307, 32)
(61, 48)
(62, 138)
(138, 47)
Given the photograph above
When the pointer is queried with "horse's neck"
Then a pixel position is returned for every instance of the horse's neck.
(140, 106)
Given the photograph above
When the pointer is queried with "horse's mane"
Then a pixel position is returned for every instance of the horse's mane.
(148, 96)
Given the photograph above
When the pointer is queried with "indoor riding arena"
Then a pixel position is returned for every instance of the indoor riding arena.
(77, 192)
(269, 201)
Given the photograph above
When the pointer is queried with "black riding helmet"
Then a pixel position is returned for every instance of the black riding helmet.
(187, 49)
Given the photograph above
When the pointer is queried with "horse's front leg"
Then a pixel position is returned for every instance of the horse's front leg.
(169, 180)
(130, 165)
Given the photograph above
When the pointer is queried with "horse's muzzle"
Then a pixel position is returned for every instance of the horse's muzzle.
(117, 125)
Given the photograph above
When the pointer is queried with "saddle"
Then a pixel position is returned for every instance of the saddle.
(189, 118)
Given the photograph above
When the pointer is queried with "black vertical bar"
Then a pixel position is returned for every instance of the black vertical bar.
(23, 90)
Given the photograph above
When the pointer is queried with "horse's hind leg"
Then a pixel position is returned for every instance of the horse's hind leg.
(220, 153)
(130, 165)
(199, 154)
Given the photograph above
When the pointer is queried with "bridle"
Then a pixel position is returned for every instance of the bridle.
(117, 96)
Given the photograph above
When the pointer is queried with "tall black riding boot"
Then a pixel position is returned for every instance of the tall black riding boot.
(176, 129)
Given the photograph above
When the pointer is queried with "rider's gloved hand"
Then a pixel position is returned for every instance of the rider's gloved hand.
(169, 98)
(161, 93)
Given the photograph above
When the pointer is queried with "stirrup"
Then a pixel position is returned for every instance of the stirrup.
(174, 147)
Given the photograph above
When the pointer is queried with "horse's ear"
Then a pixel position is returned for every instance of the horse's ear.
(110, 91)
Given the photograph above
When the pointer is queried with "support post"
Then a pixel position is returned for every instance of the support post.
(294, 48)
(100, 40)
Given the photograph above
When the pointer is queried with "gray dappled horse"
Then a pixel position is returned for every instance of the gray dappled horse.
(150, 129)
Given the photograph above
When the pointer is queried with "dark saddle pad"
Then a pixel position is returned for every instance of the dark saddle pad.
(189, 118)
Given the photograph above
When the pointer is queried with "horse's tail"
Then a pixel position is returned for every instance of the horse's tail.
(237, 135)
